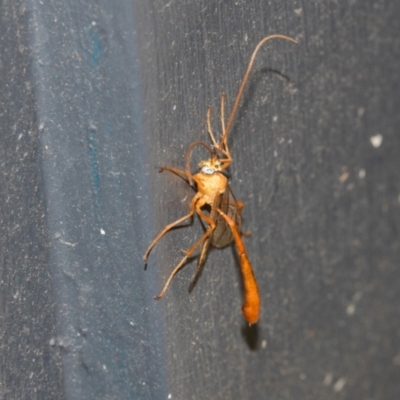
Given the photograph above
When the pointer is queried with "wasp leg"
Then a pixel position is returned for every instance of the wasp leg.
(210, 229)
(200, 263)
(179, 172)
(170, 226)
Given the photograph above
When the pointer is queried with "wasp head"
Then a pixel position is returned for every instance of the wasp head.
(209, 167)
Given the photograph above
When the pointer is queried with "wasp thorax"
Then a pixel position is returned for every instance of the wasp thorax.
(208, 167)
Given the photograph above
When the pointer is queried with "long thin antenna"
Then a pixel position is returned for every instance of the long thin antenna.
(243, 84)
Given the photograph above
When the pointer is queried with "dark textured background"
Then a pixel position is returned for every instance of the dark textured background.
(95, 96)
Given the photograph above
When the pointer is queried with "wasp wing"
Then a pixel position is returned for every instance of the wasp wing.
(222, 235)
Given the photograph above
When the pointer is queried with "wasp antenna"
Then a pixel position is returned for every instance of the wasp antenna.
(244, 81)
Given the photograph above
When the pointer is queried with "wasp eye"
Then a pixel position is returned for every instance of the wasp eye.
(207, 170)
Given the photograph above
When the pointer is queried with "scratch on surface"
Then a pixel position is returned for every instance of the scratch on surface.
(166, 5)
(68, 243)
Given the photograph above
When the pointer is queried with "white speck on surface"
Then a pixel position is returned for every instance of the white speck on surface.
(328, 379)
(376, 140)
(174, 107)
(285, 301)
(104, 367)
(339, 385)
(298, 11)
(94, 23)
(351, 309)
(102, 231)
(275, 118)
(31, 375)
(170, 396)
(184, 199)
(264, 344)
(361, 111)
(361, 173)
(275, 153)
(344, 177)
(357, 296)
(52, 342)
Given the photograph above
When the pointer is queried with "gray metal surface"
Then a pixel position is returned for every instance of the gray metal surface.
(29, 366)
(84, 135)
(96, 97)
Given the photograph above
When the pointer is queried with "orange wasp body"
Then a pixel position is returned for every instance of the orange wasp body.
(213, 192)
